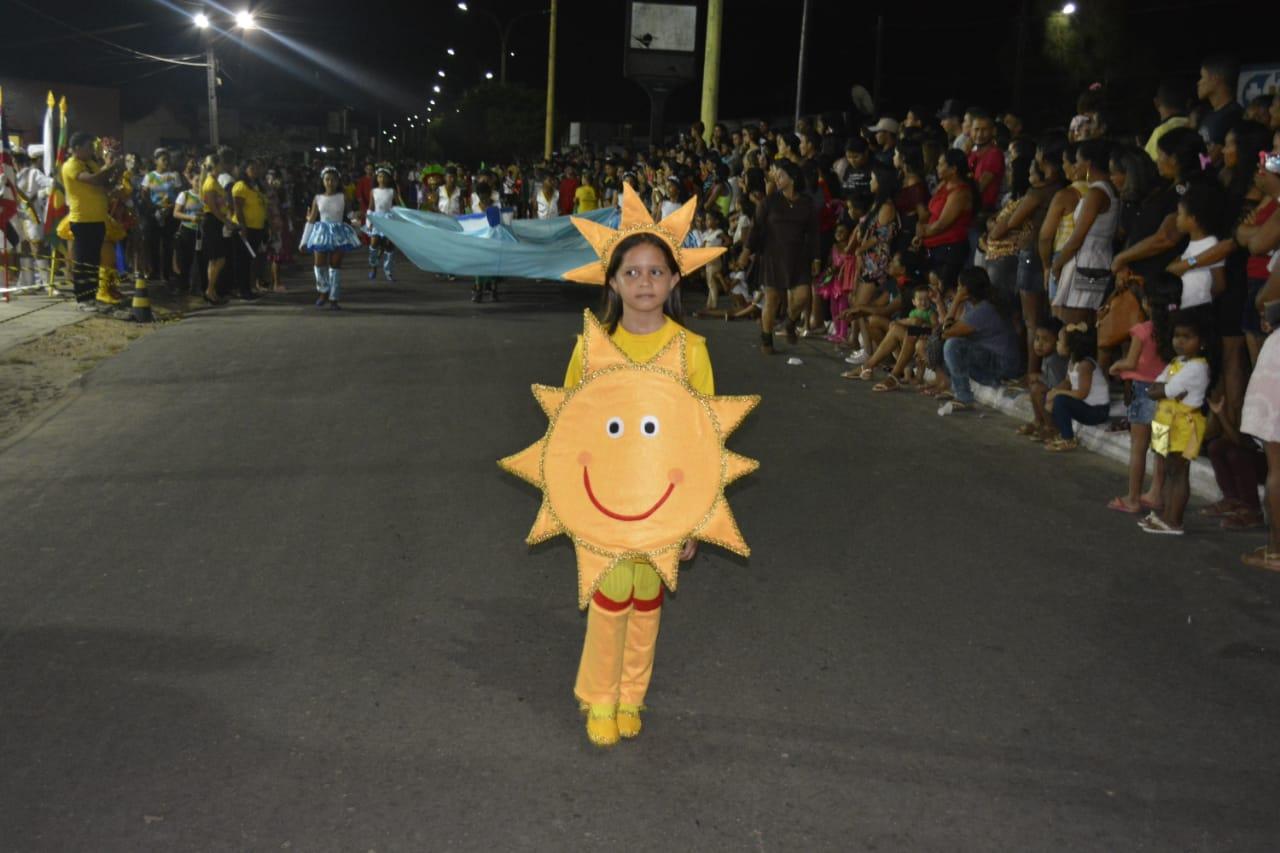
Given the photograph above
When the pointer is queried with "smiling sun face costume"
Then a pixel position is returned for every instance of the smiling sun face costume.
(633, 465)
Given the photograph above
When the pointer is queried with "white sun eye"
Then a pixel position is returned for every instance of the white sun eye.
(613, 427)
(649, 426)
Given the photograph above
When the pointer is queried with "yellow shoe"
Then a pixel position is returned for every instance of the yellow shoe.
(107, 297)
(602, 725)
(629, 720)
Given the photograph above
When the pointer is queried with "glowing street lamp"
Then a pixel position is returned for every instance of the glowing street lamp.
(451, 52)
(440, 73)
(201, 20)
(245, 21)
(488, 75)
(1069, 9)
(462, 6)
(435, 89)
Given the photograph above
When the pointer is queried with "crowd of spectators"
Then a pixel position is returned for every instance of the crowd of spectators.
(1085, 263)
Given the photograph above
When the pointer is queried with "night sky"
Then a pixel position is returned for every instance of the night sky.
(387, 53)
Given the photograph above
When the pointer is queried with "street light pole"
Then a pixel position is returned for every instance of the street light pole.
(551, 83)
(804, 35)
(711, 67)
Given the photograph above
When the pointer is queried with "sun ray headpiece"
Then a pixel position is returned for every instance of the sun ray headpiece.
(636, 219)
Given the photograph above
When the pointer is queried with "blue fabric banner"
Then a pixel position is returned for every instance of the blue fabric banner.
(527, 248)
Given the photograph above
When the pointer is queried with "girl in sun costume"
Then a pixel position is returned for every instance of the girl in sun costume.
(633, 465)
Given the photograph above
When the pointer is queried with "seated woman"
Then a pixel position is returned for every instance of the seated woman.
(981, 346)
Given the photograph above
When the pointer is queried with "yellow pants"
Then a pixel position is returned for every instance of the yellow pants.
(622, 634)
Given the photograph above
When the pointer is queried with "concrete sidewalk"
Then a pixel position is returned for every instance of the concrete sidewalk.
(26, 318)
(1114, 445)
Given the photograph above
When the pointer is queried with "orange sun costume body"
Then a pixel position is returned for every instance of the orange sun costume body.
(632, 466)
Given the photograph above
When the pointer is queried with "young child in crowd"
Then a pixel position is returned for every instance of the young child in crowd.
(837, 282)
(1199, 216)
(1053, 372)
(1150, 351)
(1083, 396)
(713, 235)
(1178, 427)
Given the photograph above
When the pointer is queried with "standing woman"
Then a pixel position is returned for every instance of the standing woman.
(1181, 160)
(382, 198)
(912, 199)
(1046, 182)
(872, 243)
(328, 237)
(250, 239)
(1083, 267)
(217, 215)
(945, 236)
(162, 185)
(188, 210)
(785, 239)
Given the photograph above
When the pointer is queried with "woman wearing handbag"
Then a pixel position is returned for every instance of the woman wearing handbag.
(1083, 267)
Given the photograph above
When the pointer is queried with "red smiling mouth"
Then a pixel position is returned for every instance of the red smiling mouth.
(586, 481)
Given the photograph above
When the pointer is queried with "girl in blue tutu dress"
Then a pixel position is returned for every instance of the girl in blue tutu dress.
(328, 236)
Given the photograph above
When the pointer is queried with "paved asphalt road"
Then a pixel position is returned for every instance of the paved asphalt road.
(264, 588)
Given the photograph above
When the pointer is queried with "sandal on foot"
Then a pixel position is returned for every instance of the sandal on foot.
(1119, 505)
(629, 724)
(1061, 445)
(1242, 521)
(1157, 525)
(1219, 509)
(1027, 429)
(1152, 505)
(890, 384)
(1262, 559)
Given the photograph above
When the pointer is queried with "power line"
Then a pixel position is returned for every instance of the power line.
(184, 60)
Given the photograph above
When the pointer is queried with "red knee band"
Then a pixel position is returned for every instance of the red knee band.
(651, 604)
(607, 603)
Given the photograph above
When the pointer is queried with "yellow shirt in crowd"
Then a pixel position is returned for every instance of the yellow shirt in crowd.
(642, 348)
(255, 206)
(213, 195)
(586, 199)
(88, 202)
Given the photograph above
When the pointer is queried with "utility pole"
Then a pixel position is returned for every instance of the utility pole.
(211, 80)
(1020, 67)
(711, 67)
(875, 86)
(804, 34)
(549, 138)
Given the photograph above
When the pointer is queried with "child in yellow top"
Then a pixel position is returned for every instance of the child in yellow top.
(641, 311)
(1178, 428)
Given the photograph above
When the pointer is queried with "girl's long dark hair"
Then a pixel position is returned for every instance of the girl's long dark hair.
(1251, 138)
(1163, 296)
(1186, 147)
(612, 305)
(959, 161)
(1024, 155)
(886, 188)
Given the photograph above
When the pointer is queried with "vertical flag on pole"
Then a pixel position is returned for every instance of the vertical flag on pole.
(57, 207)
(47, 136)
(8, 176)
